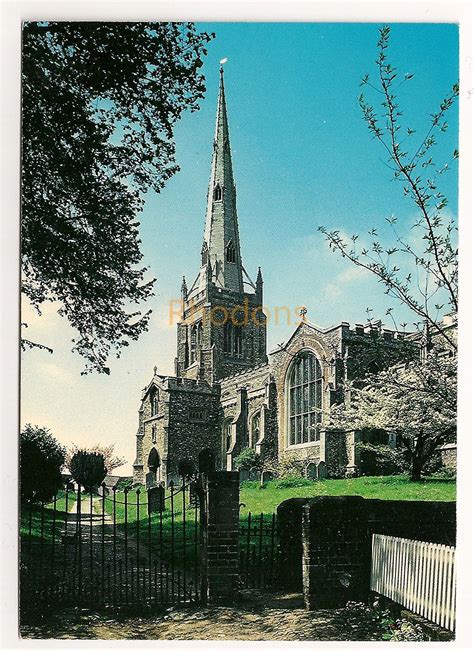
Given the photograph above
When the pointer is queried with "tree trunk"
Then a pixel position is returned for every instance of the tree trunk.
(416, 467)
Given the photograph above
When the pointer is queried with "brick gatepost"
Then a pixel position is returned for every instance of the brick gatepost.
(220, 554)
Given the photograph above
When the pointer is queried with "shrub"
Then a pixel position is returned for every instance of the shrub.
(292, 482)
(366, 622)
(403, 630)
(248, 459)
(41, 459)
(289, 467)
(186, 469)
(124, 483)
(88, 469)
(446, 472)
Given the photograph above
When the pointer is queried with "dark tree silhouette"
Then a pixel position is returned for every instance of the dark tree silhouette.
(88, 469)
(41, 459)
(100, 102)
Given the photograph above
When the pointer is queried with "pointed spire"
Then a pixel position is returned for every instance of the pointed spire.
(184, 289)
(259, 284)
(221, 234)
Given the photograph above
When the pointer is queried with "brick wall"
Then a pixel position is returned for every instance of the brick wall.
(333, 540)
(221, 536)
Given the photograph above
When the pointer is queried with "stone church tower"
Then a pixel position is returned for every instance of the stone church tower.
(223, 328)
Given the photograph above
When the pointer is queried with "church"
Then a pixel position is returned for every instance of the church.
(228, 392)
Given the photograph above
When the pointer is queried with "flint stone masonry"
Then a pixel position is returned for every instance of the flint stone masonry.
(336, 534)
(221, 537)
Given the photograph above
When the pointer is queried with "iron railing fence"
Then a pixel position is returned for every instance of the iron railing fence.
(259, 551)
(101, 549)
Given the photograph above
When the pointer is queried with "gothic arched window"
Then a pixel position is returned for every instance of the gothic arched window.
(198, 335)
(254, 429)
(228, 338)
(305, 392)
(238, 340)
(230, 253)
(192, 347)
(217, 193)
(154, 403)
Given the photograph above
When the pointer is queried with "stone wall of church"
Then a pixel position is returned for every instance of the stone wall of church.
(152, 430)
(244, 395)
(193, 423)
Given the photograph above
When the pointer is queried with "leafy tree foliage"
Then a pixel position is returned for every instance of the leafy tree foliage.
(100, 102)
(248, 459)
(417, 402)
(41, 459)
(88, 469)
(419, 274)
(186, 469)
(106, 451)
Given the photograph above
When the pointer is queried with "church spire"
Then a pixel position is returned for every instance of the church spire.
(221, 236)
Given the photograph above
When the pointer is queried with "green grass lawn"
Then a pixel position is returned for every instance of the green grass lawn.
(266, 500)
(42, 520)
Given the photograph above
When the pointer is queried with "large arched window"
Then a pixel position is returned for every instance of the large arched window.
(305, 391)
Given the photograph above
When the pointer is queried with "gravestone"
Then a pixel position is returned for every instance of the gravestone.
(311, 471)
(265, 476)
(156, 499)
(195, 491)
(322, 470)
(244, 475)
(150, 480)
(254, 474)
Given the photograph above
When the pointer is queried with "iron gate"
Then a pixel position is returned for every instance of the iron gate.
(259, 551)
(111, 549)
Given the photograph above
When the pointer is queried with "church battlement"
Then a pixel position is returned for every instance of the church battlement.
(368, 330)
(194, 385)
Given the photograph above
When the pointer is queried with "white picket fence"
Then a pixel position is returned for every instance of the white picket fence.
(419, 575)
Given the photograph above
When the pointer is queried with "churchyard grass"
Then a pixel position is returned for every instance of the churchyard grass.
(48, 516)
(399, 487)
(257, 500)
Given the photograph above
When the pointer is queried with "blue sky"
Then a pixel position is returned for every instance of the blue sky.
(302, 158)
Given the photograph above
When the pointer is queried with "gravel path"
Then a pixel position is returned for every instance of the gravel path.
(246, 623)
